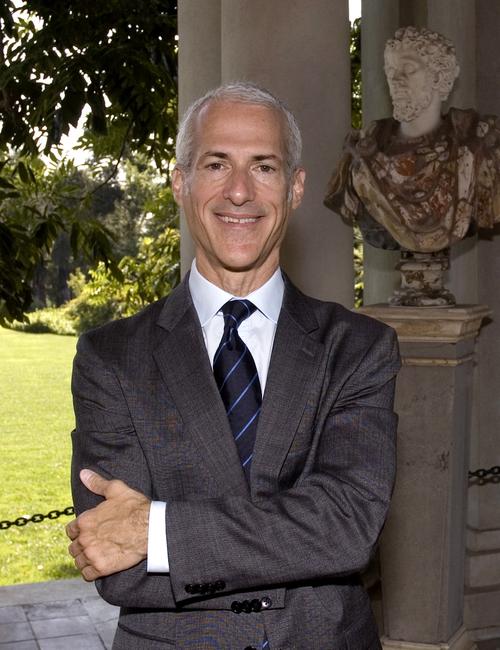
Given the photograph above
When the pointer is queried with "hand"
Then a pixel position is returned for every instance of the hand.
(113, 536)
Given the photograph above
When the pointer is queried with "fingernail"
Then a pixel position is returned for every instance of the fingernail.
(86, 474)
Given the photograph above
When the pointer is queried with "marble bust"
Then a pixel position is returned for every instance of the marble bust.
(420, 181)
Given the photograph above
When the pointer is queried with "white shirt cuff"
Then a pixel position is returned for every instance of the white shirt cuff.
(157, 539)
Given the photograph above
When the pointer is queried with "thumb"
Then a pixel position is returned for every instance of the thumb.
(94, 482)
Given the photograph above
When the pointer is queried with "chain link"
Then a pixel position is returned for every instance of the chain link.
(37, 518)
(483, 476)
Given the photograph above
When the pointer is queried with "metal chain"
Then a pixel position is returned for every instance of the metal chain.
(37, 518)
(483, 476)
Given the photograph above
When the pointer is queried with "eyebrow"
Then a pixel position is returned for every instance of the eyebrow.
(225, 156)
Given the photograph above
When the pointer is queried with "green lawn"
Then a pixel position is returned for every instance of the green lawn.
(36, 418)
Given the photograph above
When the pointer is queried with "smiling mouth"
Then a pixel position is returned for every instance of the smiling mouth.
(227, 219)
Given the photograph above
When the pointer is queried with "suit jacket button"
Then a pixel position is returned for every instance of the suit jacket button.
(188, 589)
(266, 602)
(236, 606)
(256, 605)
(220, 585)
(204, 588)
(246, 606)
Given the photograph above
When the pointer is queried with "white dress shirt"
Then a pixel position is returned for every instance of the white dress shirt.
(257, 331)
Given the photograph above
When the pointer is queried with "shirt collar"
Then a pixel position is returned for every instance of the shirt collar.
(209, 298)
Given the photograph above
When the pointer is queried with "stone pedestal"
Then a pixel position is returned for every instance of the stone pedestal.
(423, 545)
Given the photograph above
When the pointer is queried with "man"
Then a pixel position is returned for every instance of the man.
(420, 181)
(263, 535)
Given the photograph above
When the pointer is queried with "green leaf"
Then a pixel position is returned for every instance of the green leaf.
(23, 172)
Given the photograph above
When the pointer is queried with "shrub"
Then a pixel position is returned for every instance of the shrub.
(148, 276)
(46, 321)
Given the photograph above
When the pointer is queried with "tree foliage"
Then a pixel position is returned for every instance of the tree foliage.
(355, 53)
(147, 276)
(113, 62)
(116, 58)
(357, 123)
(37, 203)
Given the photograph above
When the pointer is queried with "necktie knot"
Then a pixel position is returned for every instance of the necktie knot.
(235, 312)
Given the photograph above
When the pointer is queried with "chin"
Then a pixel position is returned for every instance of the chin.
(240, 266)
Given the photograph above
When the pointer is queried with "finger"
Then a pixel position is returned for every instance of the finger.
(94, 482)
(75, 548)
(72, 529)
(89, 574)
(81, 562)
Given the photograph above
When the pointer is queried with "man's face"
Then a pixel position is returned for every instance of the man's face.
(411, 83)
(236, 198)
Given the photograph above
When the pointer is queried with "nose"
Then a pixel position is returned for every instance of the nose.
(399, 76)
(239, 187)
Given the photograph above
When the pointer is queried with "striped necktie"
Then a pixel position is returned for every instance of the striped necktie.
(237, 379)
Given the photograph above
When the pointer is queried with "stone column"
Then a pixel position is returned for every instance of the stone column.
(199, 70)
(482, 575)
(423, 544)
(301, 54)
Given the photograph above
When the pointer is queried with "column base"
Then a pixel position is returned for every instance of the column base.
(459, 641)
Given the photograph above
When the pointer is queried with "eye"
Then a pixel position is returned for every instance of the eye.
(266, 169)
(214, 166)
(410, 68)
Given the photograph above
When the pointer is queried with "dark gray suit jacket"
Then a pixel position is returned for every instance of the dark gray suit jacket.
(148, 412)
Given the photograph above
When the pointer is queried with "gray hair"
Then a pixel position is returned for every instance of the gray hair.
(437, 51)
(245, 93)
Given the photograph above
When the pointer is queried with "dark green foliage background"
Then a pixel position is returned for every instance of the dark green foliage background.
(58, 58)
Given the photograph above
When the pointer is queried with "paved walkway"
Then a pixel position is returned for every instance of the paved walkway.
(59, 615)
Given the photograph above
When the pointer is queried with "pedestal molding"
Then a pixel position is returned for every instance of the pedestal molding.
(483, 541)
(432, 361)
(459, 641)
(431, 324)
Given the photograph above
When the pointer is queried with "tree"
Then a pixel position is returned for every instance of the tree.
(355, 54)
(357, 123)
(60, 58)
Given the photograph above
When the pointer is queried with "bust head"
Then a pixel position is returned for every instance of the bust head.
(421, 67)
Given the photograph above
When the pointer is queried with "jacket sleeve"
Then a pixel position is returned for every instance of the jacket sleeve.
(105, 441)
(326, 525)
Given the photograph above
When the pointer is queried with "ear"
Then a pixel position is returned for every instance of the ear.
(299, 177)
(178, 181)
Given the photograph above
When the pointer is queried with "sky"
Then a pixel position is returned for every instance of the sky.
(354, 9)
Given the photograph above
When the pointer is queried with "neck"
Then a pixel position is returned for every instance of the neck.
(428, 121)
(237, 283)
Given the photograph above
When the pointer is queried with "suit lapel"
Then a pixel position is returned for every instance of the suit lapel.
(187, 373)
(294, 363)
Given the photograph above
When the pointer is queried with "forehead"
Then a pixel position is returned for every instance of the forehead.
(228, 126)
(405, 54)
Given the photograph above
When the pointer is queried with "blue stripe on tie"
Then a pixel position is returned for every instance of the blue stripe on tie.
(242, 394)
(248, 424)
(265, 644)
(232, 369)
(246, 461)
